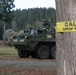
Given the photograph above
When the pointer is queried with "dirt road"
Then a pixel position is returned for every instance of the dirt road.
(29, 64)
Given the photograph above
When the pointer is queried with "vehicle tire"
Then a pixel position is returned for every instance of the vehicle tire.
(53, 52)
(33, 54)
(43, 52)
(23, 54)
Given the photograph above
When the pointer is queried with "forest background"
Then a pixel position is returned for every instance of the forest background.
(26, 18)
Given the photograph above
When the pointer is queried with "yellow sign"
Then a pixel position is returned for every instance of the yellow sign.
(69, 26)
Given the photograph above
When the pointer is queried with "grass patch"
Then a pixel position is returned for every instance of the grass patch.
(5, 73)
(8, 53)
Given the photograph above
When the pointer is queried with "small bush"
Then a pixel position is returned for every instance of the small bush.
(6, 43)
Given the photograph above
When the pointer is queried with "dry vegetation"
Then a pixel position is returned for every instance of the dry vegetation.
(10, 71)
(8, 53)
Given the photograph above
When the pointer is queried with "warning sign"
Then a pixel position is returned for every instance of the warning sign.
(69, 26)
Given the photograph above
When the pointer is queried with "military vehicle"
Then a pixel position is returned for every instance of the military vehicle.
(37, 43)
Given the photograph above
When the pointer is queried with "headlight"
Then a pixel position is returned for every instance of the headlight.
(11, 37)
(15, 40)
(25, 36)
(22, 40)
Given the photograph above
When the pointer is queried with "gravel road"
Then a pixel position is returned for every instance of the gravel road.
(29, 64)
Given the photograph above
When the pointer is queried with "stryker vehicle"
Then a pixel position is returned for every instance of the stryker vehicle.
(37, 43)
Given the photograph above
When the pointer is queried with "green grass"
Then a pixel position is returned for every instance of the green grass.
(8, 53)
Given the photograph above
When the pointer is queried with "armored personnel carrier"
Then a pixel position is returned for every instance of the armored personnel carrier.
(37, 43)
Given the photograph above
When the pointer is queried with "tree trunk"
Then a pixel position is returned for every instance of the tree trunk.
(4, 34)
(66, 42)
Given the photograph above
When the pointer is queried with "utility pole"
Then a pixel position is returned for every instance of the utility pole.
(66, 41)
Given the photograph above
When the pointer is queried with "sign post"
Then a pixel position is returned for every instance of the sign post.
(69, 26)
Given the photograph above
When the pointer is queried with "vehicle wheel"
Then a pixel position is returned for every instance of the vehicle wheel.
(23, 54)
(33, 54)
(43, 52)
(53, 52)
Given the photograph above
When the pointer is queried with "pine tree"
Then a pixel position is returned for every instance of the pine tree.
(5, 13)
(5, 10)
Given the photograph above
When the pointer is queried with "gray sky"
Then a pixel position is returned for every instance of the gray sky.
(25, 4)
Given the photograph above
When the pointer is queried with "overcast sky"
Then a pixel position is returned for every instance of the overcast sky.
(25, 4)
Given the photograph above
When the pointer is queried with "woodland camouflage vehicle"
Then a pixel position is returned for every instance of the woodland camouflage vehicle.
(37, 43)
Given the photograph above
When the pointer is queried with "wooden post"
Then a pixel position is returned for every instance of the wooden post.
(66, 42)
